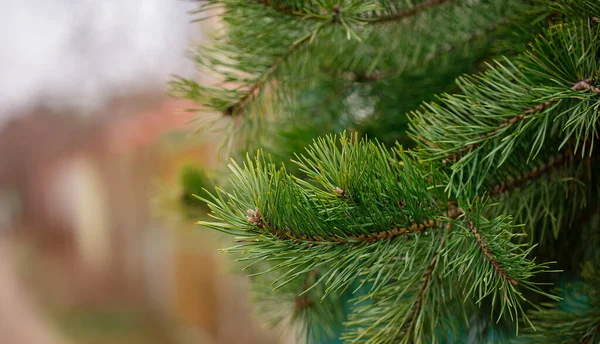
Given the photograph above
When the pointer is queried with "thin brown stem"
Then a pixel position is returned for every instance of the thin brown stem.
(591, 335)
(509, 185)
(407, 13)
(256, 219)
(567, 158)
(452, 212)
(518, 118)
(303, 301)
(255, 88)
(582, 85)
(281, 8)
(423, 287)
(489, 255)
(447, 48)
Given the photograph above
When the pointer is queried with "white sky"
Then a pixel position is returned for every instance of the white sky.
(77, 53)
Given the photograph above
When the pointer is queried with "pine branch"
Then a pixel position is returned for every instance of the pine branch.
(582, 85)
(479, 131)
(551, 203)
(337, 229)
(503, 267)
(255, 88)
(518, 118)
(256, 219)
(539, 171)
(303, 301)
(364, 214)
(488, 254)
(576, 319)
(453, 211)
(281, 7)
(424, 284)
(403, 14)
(445, 49)
(257, 33)
(322, 214)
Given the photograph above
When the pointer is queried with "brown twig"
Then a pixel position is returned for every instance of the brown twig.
(535, 173)
(530, 111)
(407, 13)
(424, 284)
(303, 301)
(566, 157)
(255, 88)
(281, 8)
(582, 85)
(378, 75)
(489, 255)
(256, 219)
(591, 335)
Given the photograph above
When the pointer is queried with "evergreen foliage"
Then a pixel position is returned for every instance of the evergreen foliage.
(193, 181)
(458, 232)
(573, 320)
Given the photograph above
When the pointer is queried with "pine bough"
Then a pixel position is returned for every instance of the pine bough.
(422, 238)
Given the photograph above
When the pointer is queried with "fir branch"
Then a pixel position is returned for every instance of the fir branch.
(403, 14)
(488, 254)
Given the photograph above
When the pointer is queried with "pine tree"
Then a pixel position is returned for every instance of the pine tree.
(447, 191)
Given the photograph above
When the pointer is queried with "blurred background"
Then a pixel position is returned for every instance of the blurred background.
(97, 236)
